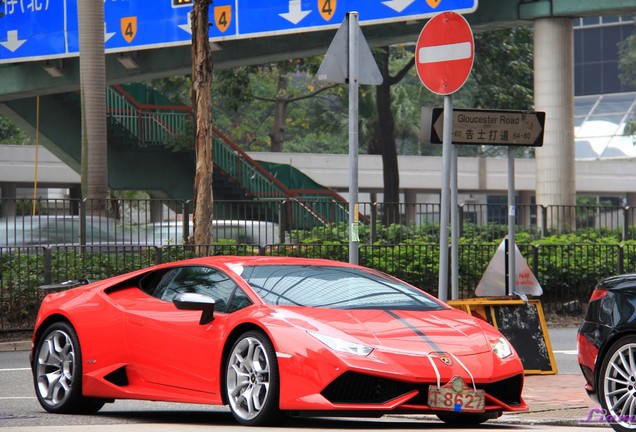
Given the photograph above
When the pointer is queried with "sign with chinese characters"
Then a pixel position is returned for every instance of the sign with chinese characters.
(494, 127)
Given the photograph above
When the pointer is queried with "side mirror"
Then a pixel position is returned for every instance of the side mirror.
(196, 301)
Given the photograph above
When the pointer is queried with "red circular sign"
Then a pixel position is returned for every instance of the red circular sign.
(444, 53)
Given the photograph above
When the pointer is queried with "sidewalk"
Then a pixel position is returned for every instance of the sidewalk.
(556, 400)
(21, 345)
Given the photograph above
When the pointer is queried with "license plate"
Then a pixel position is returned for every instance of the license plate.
(448, 399)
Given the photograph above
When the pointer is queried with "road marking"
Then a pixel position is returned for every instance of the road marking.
(567, 352)
(15, 369)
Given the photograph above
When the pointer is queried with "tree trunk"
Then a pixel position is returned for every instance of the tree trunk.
(94, 170)
(201, 103)
(386, 133)
(277, 133)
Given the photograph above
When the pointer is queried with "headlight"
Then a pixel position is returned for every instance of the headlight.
(342, 345)
(502, 348)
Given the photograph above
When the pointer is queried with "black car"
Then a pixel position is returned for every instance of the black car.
(607, 350)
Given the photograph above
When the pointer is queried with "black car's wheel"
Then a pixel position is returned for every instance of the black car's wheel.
(459, 419)
(617, 384)
(57, 372)
(251, 380)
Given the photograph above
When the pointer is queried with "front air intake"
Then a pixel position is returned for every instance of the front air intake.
(356, 388)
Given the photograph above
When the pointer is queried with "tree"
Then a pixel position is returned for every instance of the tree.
(503, 69)
(201, 103)
(384, 143)
(290, 81)
(11, 134)
(283, 98)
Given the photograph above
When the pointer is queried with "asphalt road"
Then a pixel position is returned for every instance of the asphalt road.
(563, 341)
(20, 411)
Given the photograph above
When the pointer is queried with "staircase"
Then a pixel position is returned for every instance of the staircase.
(136, 123)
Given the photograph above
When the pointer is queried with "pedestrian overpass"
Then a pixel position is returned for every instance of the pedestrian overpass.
(25, 79)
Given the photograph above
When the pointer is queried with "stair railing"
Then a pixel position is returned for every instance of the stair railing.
(158, 124)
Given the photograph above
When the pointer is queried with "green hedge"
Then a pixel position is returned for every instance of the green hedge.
(567, 266)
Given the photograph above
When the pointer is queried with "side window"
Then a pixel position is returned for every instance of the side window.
(156, 284)
(239, 301)
(202, 280)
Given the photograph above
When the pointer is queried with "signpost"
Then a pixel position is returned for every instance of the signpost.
(444, 56)
(44, 29)
(349, 60)
(490, 127)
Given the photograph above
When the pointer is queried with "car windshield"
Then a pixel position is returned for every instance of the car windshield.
(334, 287)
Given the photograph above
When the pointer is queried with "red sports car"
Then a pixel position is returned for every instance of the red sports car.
(270, 336)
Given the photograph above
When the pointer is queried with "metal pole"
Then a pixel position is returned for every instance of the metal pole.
(353, 137)
(512, 211)
(454, 210)
(444, 199)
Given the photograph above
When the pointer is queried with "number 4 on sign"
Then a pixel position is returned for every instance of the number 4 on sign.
(223, 17)
(327, 8)
(129, 28)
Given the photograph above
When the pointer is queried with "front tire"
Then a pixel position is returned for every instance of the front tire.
(251, 380)
(57, 372)
(617, 384)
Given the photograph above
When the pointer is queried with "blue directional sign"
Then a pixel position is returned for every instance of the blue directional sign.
(33, 28)
(46, 29)
(266, 17)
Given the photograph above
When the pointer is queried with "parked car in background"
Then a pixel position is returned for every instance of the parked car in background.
(252, 232)
(607, 349)
(271, 336)
(56, 230)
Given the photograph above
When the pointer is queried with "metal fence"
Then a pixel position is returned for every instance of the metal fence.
(151, 221)
(49, 241)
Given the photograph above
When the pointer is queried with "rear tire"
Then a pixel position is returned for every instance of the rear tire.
(57, 372)
(617, 383)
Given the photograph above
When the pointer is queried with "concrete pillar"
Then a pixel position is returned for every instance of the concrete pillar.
(75, 194)
(156, 210)
(8, 194)
(524, 209)
(410, 200)
(554, 94)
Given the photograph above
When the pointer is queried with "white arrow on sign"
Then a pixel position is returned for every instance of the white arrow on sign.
(187, 27)
(398, 5)
(295, 14)
(107, 35)
(12, 43)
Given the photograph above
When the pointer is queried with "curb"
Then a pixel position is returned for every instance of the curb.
(24, 345)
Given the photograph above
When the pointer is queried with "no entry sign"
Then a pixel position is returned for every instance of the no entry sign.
(444, 53)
